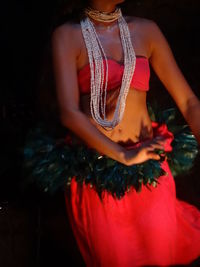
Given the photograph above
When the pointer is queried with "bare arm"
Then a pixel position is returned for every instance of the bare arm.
(165, 66)
(64, 54)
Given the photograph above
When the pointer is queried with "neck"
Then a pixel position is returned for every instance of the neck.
(103, 6)
(107, 19)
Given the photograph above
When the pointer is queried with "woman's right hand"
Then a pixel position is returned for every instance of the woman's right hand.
(145, 151)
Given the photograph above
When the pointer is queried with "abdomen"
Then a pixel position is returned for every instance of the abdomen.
(135, 124)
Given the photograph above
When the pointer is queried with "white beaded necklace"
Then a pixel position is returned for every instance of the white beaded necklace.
(95, 51)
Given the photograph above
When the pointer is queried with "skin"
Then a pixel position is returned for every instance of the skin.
(70, 55)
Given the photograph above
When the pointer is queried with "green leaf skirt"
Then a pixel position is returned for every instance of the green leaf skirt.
(50, 163)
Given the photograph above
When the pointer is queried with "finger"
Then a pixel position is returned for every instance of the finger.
(148, 143)
(159, 139)
(163, 141)
(156, 146)
(153, 155)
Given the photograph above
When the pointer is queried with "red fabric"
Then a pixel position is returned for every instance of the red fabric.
(159, 129)
(140, 80)
(150, 228)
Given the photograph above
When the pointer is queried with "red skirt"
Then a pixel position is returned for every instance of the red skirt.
(152, 227)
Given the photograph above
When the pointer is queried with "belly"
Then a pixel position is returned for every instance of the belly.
(135, 125)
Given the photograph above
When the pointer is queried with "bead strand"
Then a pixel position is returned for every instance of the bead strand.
(99, 74)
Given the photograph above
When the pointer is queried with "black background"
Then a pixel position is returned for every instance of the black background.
(34, 231)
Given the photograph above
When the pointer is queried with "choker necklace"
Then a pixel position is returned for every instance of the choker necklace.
(103, 16)
(99, 72)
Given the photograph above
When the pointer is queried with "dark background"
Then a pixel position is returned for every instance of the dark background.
(34, 230)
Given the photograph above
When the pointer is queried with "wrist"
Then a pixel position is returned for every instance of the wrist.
(121, 155)
(127, 157)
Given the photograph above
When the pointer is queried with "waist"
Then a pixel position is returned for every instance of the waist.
(135, 124)
(158, 129)
(130, 130)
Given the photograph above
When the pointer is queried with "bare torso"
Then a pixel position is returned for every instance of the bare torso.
(136, 123)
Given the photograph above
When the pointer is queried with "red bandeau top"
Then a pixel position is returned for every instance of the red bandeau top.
(140, 80)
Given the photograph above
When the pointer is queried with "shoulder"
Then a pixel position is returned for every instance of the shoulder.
(66, 29)
(148, 31)
(67, 34)
(145, 25)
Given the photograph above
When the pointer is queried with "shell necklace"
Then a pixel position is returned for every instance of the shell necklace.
(96, 54)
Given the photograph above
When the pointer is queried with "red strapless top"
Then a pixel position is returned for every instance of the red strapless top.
(140, 80)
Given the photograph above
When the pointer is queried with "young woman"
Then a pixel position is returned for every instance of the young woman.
(153, 227)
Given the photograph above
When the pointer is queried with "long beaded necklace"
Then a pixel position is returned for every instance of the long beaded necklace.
(96, 54)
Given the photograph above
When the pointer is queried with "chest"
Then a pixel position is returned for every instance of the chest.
(112, 46)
